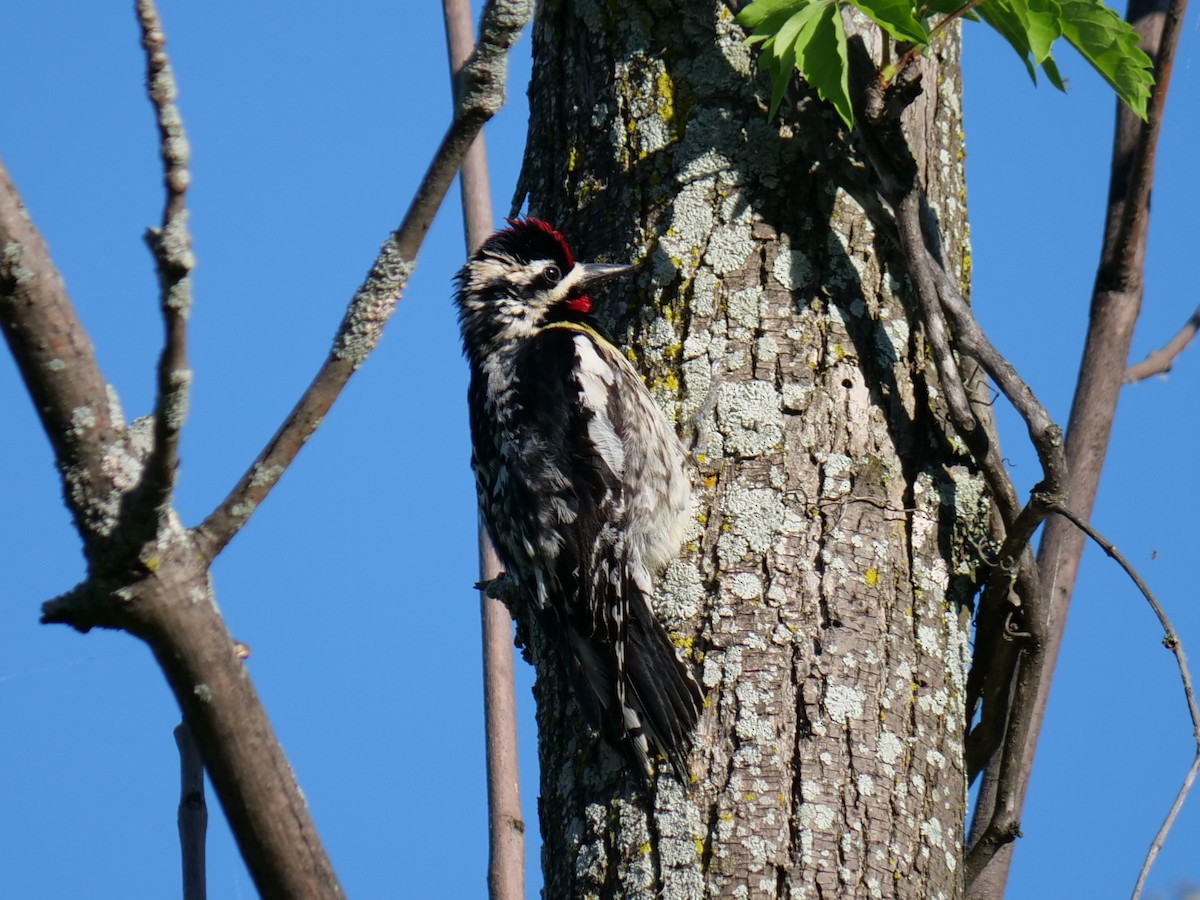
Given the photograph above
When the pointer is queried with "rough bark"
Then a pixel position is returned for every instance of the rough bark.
(824, 591)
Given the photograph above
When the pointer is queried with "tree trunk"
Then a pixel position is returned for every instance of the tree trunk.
(824, 592)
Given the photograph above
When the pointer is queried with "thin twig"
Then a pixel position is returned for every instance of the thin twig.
(908, 218)
(171, 245)
(1168, 823)
(970, 338)
(1173, 643)
(1161, 360)
(192, 816)
(506, 823)
(482, 94)
(952, 18)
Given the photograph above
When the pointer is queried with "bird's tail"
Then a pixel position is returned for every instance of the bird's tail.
(633, 685)
(661, 697)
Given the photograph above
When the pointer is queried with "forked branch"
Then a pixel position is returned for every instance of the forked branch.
(481, 95)
(148, 575)
(1010, 625)
(1015, 622)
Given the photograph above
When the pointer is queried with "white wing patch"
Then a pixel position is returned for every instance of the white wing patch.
(596, 379)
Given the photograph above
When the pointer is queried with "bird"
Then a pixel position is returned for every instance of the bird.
(582, 485)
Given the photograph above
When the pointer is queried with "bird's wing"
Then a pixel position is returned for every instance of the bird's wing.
(624, 662)
(574, 465)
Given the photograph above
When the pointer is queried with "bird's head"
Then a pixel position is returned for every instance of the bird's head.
(521, 279)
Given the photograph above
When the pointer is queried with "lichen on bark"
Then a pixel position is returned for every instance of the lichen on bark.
(824, 591)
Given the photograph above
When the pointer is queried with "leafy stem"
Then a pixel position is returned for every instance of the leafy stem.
(807, 36)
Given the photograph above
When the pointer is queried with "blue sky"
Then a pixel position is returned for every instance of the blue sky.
(352, 585)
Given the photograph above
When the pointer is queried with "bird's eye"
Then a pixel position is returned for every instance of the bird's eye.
(552, 274)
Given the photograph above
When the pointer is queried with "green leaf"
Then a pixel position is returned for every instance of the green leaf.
(785, 40)
(1102, 37)
(896, 18)
(1110, 44)
(757, 12)
(1050, 67)
(781, 75)
(768, 28)
(779, 53)
(1040, 21)
(808, 35)
(804, 36)
(823, 59)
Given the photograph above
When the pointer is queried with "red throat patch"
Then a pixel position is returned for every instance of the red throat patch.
(581, 304)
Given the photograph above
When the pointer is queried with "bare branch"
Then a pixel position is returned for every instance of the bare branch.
(153, 582)
(170, 606)
(909, 222)
(898, 209)
(971, 339)
(193, 814)
(482, 94)
(1116, 303)
(79, 412)
(1161, 360)
(1123, 260)
(1002, 635)
(172, 247)
(1172, 642)
(506, 824)
(1009, 633)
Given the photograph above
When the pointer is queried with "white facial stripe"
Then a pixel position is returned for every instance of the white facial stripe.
(570, 281)
(560, 291)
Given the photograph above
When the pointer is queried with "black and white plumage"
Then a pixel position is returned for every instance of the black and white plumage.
(581, 483)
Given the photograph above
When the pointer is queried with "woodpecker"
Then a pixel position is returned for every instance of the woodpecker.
(581, 484)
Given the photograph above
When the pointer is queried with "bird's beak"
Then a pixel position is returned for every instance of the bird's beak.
(598, 273)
